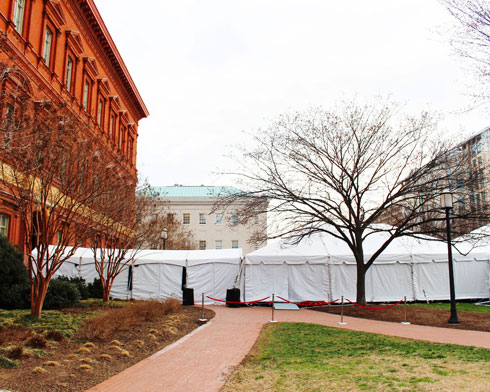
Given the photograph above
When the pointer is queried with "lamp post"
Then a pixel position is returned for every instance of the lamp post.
(164, 237)
(447, 204)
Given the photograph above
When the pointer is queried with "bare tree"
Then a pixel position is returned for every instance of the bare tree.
(154, 217)
(471, 37)
(341, 172)
(56, 173)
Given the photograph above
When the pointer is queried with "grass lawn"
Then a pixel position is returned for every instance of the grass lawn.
(308, 357)
(463, 306)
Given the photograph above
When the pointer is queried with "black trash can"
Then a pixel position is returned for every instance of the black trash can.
(187, 297)
(233, 295)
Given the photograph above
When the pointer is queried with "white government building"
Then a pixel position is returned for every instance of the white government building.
(193, 206)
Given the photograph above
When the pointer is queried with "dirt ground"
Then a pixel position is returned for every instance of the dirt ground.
(73, 366)
(415, 315)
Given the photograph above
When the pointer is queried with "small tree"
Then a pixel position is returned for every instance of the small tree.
(342, 171)
(129, 226)
(56, 173)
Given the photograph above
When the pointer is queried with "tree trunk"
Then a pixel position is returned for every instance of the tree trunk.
(37, 298)
(106, 289)
(361, 283)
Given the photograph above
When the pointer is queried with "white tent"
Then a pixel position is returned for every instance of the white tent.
(158, 273)
(322, 267)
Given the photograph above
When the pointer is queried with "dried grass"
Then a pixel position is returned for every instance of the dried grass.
(104, 327)
(83, 350)
(85, 367)
(51, 363)
(106, 357)
(39, 369)
(57, 336)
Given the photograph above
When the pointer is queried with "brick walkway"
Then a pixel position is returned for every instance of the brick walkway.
(201, 361)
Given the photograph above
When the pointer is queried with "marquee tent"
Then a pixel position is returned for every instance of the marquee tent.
(158, 273)
(322, 267)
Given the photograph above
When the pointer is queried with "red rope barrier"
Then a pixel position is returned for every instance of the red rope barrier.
(369, 307)
(309, 303)
(231, 302)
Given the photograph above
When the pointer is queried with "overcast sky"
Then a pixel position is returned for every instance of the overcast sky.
(210, 69)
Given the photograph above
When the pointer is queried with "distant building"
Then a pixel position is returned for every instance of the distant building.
(193, 207)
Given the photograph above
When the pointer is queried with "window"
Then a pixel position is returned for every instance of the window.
(202, 219)
(219, 244)
(130, 149)
(112, 121)
(234, 219)
(100, 112)
(48, 42)
(86, 91)
(19, 8)
(202, 245)
(69, 73)
(186, 219)
(4, 225)
(219, 219)
(170, 217)
(234, 244)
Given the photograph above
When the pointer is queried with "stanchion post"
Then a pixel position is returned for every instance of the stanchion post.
(342, 312)
(405, 322)
(202, 309)
(272, 307)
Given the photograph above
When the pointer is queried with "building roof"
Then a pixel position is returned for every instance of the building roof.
(194, 191)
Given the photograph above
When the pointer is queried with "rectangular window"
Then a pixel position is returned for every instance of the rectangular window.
(4, 225)
(19, 8)
(234, 219)
(69, 73)
(219, 219)
(48, 42)
(186, 219)
(219, 244)
(234, 244)
(112, 121)
(100, 112)
(170, 217)
(86, 89)
(130, 149)
(202, 219)
(202, 245)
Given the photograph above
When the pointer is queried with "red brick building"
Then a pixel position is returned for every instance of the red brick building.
(61, 50)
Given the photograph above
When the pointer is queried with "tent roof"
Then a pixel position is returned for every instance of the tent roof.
(322, 247)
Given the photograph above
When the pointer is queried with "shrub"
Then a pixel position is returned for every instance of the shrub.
(14, 278)
(61, 294)
(7, 363)
(37, 342)
(95, 289)
(57, 336)
(81, 285)
(16, 352)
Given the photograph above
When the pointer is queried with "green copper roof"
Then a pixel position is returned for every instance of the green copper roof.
(194, 191)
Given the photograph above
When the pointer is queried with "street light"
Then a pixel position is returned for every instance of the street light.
(164, 237)
(447, 204)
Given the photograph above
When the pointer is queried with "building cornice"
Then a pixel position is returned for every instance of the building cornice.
(95, 21)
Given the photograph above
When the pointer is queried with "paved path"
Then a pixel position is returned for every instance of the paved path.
(201, 361)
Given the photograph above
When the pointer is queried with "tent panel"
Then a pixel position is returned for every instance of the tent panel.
(344, 277)
(388, 282)
(307, 283)
(264, 280)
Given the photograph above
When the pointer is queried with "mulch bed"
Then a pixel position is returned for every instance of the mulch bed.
(415, 315)
(68, 376)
